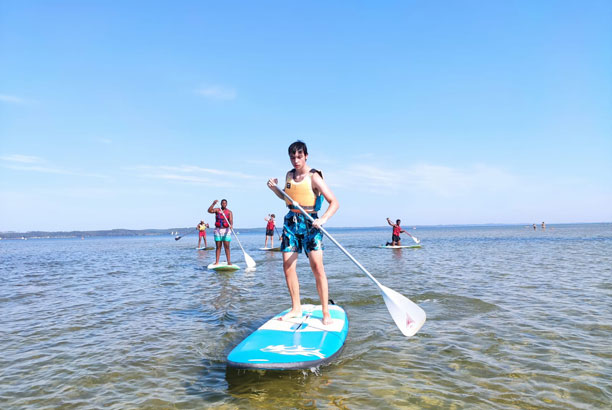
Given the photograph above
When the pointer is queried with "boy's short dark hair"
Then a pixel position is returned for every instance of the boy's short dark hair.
(398, 221)
(298, 146)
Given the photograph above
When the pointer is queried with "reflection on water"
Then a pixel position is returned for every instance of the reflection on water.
(516, 319)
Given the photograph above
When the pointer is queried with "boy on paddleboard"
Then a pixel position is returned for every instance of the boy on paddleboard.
(270, 230)
(397, 230)
(305, 186)
(224, 221)
(201, 227)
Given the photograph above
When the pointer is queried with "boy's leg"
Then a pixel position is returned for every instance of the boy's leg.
(226, 245)
(293, 285)
(218, 245)
(316, 264)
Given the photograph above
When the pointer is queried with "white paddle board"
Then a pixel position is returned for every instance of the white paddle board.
(209, 248)
(294, 343)
(223, 266)
(399, 247)
(277, 249)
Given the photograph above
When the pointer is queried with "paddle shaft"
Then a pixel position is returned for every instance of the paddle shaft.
(331, 238)
(279, 235)
(232, 229)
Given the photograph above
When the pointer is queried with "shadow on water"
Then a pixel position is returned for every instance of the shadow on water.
(218, 384)
(276, 388)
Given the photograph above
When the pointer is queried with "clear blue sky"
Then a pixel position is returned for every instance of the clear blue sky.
(139, 114)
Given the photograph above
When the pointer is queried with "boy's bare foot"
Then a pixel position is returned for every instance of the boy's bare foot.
(291, 315)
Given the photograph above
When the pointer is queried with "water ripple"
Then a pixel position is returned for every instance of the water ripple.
(516, 319)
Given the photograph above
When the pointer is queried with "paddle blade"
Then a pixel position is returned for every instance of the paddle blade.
(249, 261)
(406, 314)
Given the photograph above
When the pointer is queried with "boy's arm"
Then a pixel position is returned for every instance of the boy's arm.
(389, 222)
(231, 219)
(273, 185)
(320, 185)
(211, 209)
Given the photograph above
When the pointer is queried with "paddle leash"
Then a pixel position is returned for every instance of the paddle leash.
(406, 314)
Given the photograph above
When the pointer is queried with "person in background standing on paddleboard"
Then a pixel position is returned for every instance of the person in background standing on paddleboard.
(223, 226)
(201, 227)
(270, 230)
(305, 186)
(397, 230)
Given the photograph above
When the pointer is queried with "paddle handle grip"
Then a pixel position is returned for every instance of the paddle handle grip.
(331, 238)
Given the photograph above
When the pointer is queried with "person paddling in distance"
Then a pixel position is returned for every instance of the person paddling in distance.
(305, 186)
(224, 221)
(397, 230)
(201, 227)
(270, 230)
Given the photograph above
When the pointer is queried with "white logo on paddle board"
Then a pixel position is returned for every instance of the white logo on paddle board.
(294, 350)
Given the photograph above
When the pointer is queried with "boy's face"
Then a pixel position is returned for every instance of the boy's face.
(223, 204)
(298, 159)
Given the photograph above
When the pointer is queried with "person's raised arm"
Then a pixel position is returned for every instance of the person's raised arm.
(389, 222)
(211, 209)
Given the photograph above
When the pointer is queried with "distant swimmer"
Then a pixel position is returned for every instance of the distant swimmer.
(201, 227)
(534, 227)
(307, 188)
(543, 226)
(224, 222)
(397, 230)
(270, 230)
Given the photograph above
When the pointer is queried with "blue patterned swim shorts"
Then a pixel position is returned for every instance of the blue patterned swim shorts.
(299, 234)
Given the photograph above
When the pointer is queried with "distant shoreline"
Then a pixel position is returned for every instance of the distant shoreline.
(190, 230)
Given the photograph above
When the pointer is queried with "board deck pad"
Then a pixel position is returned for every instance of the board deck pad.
(223, 266)
(295, 343)
(399, 247)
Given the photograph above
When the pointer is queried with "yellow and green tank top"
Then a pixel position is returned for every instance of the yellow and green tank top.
(302, 193)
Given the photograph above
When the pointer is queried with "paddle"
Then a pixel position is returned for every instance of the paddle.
(413, 238)
(406, 314)
(249, 261)
(180, 236)
(280, 238)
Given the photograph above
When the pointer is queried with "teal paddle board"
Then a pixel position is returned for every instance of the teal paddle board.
(223, 266)
(294, 343)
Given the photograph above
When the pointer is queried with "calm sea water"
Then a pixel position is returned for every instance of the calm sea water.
(517, 319)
